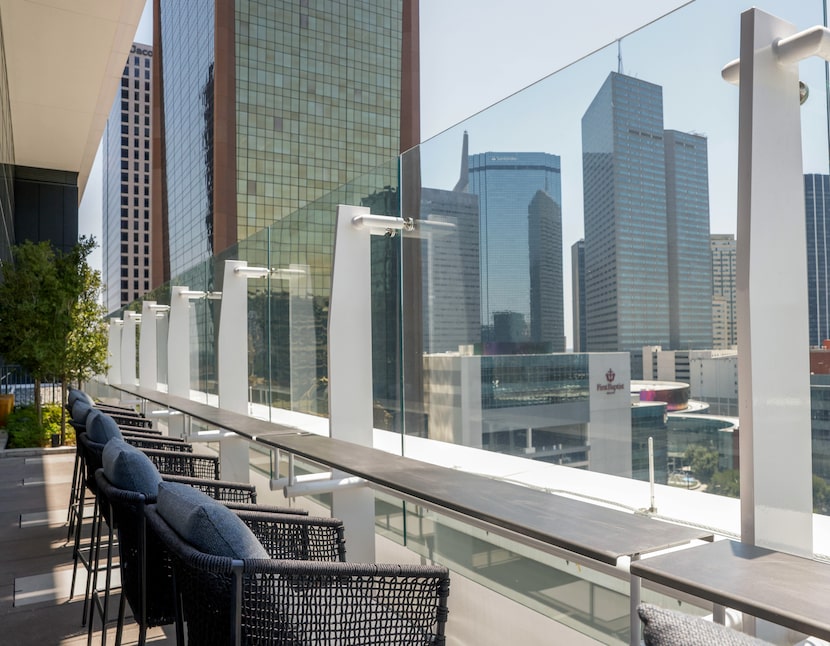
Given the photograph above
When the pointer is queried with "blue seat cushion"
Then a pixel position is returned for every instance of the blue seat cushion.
(206, 524)
(663, 627)
(126, 467)
(101, 428)
(80, 411)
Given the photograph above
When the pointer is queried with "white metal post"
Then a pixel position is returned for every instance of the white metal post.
(350, 361)
(178, 342)
(114, 351)
(128, 349)
(232, 359)
(773, 357)
(350, 371)
(147, 350)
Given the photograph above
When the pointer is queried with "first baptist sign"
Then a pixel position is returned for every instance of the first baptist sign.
(610, 388)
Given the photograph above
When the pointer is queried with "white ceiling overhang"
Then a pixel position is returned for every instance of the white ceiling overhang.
(64, 61)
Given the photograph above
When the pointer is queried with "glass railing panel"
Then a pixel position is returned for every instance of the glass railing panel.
(565, 233)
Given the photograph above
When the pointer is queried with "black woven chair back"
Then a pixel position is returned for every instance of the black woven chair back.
(140, 550)
(185, 464)
(272, 602)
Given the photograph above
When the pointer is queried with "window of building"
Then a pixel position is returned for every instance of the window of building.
(125, 129)
(146, 262)
(124, 236)
(125, 94)
(123, 272)
(124, 106)
(125, 177)
(124, 297)
(125, 284)
(147, 74)
(125, 248)
(124, 82)
(125, 141)
(146, 62)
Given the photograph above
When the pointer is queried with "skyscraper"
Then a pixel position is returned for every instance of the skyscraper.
(126, 226)
(578, 295)
(626, 232)
(817, 206)
(647, 267)
(520, 197)
(724, 305)
(264, 107)
(690, 260)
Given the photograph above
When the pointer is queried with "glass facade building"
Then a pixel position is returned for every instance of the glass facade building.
(126, 185)
(626, 233)
(817, 205)
(520, 198)
(578, 295)
(690, 260)
(646, 208)
(264, 108)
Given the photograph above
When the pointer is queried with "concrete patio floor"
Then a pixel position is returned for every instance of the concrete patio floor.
(36, 559)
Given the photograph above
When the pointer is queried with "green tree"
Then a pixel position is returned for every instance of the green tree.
(703, 461)
(50, 320)
(31, 323)
(821, 495)
(85, 348)
(726, 483)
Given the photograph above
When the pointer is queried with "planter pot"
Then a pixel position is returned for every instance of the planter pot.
(6, 407)
(56, 439)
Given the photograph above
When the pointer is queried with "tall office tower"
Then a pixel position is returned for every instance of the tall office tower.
(626, 232)
(645, 212)
(265, 106)
(578, 294)
(451, 271)
(817, 206)
(520, 197)
(126, 183)
(690, 259)
(724, 305)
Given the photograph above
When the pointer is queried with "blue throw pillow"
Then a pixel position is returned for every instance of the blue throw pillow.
(80, 411)
(206, 524)
(126, 467)
(101, 428)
